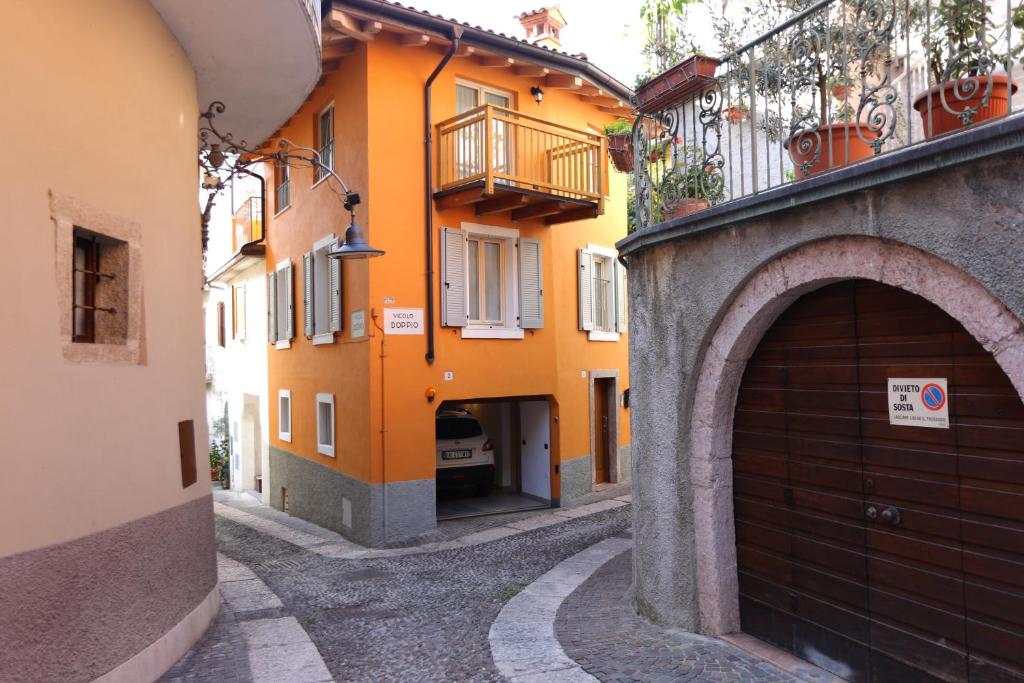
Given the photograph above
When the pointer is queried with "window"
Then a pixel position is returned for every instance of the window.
(325, 424)
(280, 305)
(491, 282)
(602, 293)
(99, 280)
(284, 415)
(469, 96)
(321, 292)
(98, 283)
(221, 336)
(486, 285)
(325, 141)
(238, 312)
(282, 186)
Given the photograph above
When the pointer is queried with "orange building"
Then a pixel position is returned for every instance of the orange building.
(499, 294)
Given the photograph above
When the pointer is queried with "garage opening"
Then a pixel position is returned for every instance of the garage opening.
(493, 456)
(878, 547)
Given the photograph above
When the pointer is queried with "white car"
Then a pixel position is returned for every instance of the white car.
(465, 456)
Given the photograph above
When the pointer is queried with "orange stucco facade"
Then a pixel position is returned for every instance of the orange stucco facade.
(384, 422)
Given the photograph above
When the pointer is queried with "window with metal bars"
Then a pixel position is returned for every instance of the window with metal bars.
(87, 278)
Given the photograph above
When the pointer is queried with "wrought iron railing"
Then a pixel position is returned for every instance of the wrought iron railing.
(838, 83)
(247, 223)
(499, 146)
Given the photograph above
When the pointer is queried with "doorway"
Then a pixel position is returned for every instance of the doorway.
(493, 456)
(879, 551)
(604, 389)
(604, 427)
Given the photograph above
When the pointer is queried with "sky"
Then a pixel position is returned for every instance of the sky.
(610, 34)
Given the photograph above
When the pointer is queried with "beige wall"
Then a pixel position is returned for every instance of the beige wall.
(99, 107)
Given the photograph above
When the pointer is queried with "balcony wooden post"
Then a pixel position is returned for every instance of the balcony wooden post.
(489, 149)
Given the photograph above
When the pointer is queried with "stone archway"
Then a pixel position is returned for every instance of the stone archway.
(755, 307)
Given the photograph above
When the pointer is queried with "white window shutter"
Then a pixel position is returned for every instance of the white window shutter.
(531, 284)
(289, 305)
(585, 260)
(335, 320)
(308, 305)
(453, 277)
(272, 307)
(620, 298)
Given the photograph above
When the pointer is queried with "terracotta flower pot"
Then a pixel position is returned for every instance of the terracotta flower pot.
(938, 120)
(735, 114)
(686, 206)
(840, 92)
(620, 149)
(832, 145)
(685, 78)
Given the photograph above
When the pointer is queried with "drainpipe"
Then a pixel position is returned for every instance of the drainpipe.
(428, 141)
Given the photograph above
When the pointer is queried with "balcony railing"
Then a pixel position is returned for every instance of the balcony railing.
(838, 83)
(247, 223)
(506, 151)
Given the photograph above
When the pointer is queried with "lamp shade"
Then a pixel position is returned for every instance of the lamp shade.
(355, 246)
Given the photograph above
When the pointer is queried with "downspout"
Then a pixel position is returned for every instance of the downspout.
(428, 141)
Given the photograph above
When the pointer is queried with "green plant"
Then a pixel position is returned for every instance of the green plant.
(961, 40)
(687, 177)
(219, 444)
(667, 42)
(619, 127)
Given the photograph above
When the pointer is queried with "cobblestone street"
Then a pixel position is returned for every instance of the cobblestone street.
(293, 613)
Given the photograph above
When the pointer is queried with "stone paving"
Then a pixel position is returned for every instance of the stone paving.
(598, 628)
(409, 615)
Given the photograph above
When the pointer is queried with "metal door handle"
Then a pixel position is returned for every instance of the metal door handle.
(892, 516)
(871, 512)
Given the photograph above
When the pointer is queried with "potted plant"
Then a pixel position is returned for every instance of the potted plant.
(620, 144)
(736, 113)
(831, 145)
(218, 460)
(961, 57)
(686, 187)
(676, 67)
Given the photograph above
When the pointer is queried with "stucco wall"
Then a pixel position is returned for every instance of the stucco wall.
(969, 215)
(100, 110)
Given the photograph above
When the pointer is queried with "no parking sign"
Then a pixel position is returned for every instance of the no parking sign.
(919, 402)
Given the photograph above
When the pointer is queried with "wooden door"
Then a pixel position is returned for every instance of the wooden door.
(883, 553)
(602, 431)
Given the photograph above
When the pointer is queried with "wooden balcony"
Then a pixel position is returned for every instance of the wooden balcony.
(501, 160)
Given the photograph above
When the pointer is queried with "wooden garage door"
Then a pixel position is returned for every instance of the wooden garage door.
(825, 569)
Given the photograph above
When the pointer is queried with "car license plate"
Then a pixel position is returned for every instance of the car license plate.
(456, 455)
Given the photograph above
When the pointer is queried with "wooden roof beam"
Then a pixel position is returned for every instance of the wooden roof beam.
(497, 62)
(563, 81)
(465, 51)
(345, 23)
(337, 50)
(531, 71)
(414, 40)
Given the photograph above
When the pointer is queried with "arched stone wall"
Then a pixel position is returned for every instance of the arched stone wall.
(755, 307)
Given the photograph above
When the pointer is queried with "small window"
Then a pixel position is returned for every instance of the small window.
(604, 302)
(238, 312)
(325, 424)
(282, 186)
(602, 293)
(99, 283)
(321, 292)
(325, 142)
(486, 292)
(284, 415)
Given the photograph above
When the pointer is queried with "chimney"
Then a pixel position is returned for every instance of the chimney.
(543, 26)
